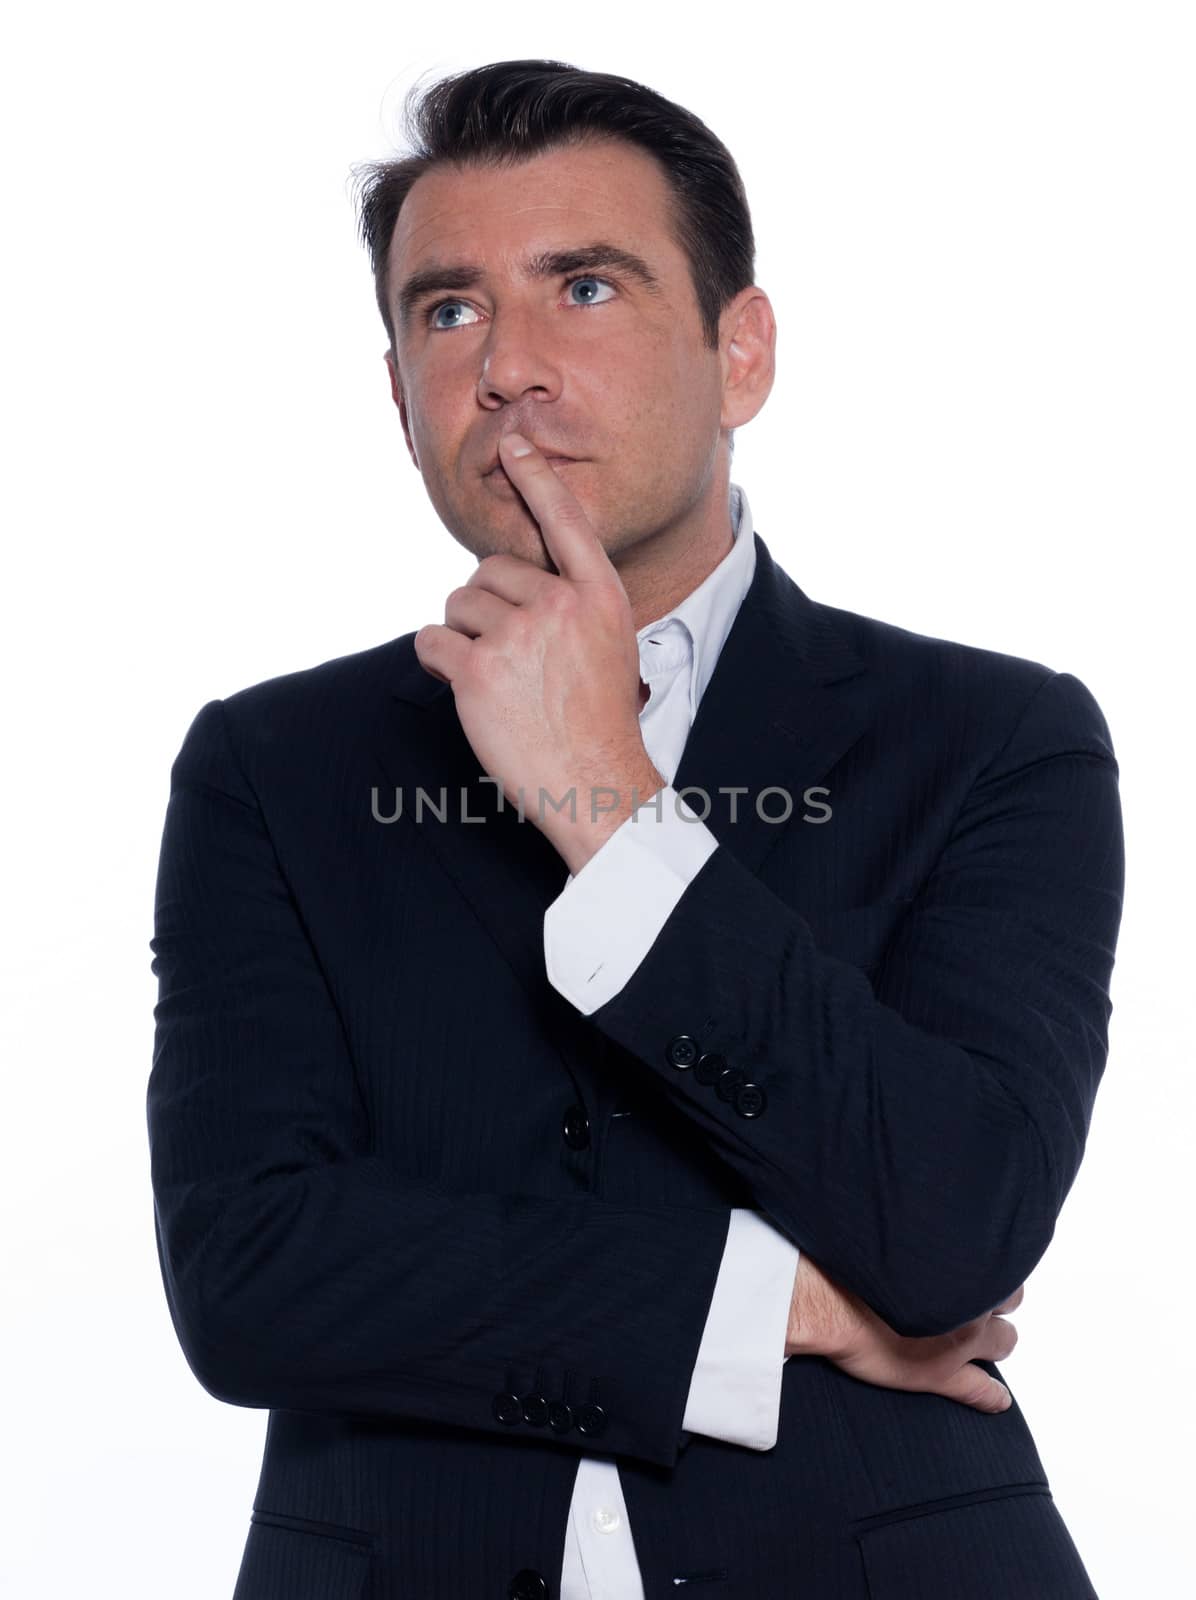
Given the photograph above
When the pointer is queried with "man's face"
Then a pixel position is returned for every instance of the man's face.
(606, 368)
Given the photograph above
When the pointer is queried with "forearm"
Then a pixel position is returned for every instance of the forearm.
(305, 1272)
(920, 1126)
(346, 1288)
(820, 1323)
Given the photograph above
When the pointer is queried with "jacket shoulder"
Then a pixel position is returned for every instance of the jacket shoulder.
(340, 687)
(888, 647)
(296, 724)
(975, 694)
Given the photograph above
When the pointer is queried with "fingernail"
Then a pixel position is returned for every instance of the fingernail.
(518, 445)
(1008, 1401)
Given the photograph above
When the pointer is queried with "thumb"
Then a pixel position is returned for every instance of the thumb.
(972, 1386)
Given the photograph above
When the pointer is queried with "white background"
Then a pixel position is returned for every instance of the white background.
(975, 223)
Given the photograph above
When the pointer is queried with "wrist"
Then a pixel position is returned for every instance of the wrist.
(822, 1319)
(578, 838)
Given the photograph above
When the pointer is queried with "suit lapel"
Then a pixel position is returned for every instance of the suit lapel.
(771, 716)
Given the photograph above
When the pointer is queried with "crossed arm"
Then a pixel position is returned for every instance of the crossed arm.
(918, 1155)
(921, 1131)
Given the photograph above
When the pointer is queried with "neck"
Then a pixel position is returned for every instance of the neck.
(659, 572)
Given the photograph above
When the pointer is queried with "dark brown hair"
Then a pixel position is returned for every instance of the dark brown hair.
(510, 110)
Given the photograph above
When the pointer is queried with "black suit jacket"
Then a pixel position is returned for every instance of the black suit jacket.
(395, 1204)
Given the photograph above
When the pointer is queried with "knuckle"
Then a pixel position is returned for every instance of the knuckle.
(493, 563)
(613, 597)
(484, 658)
(571, 512)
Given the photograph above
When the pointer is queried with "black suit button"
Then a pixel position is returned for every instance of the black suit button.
(560, 1416)
(508, 1408)
(535, 1410)
(591, 1420)
(682, 1051)
(750, 1100)
(527, 1585)
(577, 1128)
(710, 1067)
(727, 1083)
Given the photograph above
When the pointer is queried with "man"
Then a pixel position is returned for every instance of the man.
(620, 1050)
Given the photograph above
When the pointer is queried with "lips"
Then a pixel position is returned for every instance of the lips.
(549, 455)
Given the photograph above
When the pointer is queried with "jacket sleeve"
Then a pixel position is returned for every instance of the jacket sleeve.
(303, 1272)
(916, 1134)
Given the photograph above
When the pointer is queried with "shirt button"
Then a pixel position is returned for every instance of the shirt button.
(576, 1128)
(607, 1520)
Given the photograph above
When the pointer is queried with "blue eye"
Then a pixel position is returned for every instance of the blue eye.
(572, 281)
(442, 305)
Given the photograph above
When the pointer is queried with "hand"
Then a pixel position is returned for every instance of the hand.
(827, 1320)
(544, 669)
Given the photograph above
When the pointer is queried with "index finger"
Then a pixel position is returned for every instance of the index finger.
(572, 543)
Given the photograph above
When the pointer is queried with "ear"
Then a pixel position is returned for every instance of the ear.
(748, 352)
(400, 400)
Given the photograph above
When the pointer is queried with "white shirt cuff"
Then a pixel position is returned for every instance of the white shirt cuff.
(735, 1391)
(607, 917)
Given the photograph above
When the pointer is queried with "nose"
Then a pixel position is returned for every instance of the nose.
(517, 360)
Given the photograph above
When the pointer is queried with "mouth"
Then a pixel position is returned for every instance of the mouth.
(497, 469)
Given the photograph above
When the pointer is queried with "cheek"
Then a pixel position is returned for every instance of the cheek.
(439, 428)
(696, 378)
(666, 385)
(640, 399)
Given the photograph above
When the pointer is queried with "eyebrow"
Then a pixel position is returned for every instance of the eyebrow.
(439, 275)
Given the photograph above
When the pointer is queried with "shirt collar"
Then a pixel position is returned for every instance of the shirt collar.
(705, 616)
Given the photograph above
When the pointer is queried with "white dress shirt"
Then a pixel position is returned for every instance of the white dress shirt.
(596, 933)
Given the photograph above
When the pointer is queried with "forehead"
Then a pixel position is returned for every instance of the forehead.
(601, 188)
